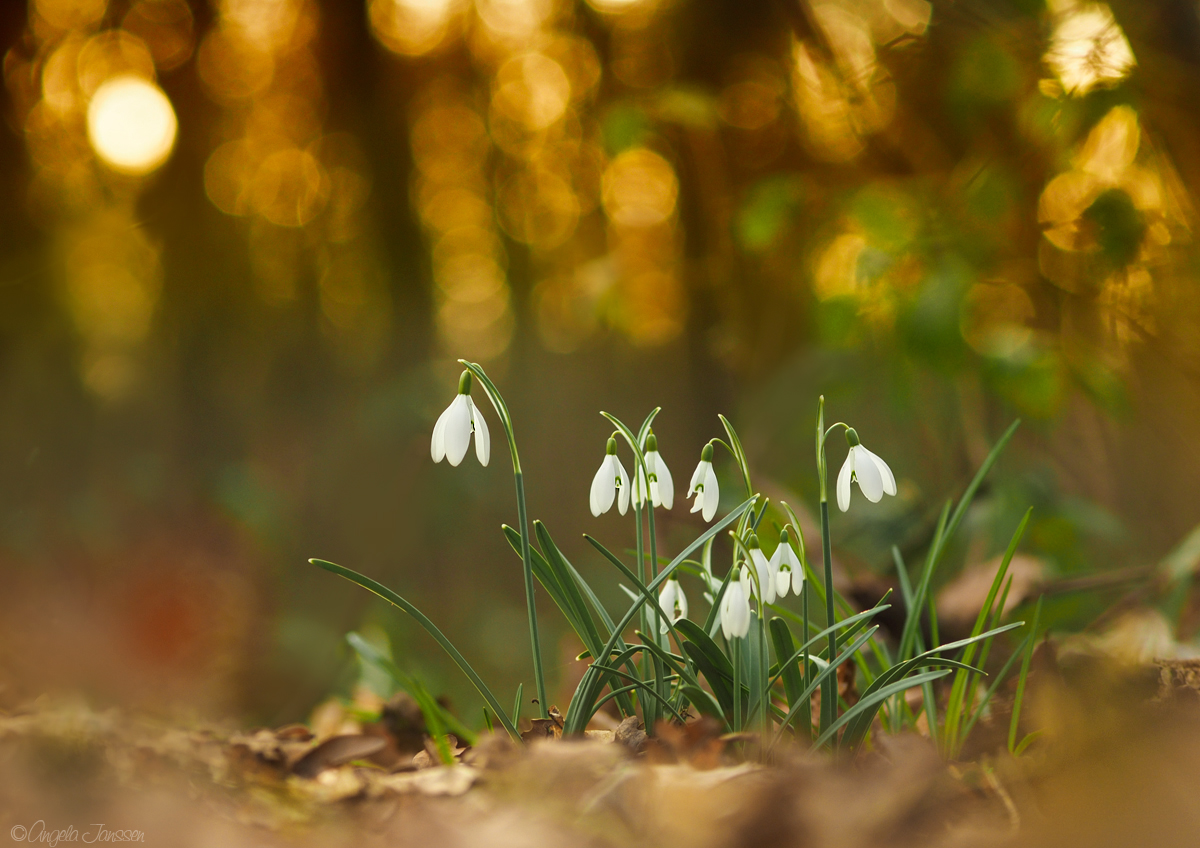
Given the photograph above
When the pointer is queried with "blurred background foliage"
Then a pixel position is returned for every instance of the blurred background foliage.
(244, 241)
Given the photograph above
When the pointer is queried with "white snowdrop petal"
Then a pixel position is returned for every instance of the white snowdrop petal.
(666, 603)
(698, 475)
(666, 486)
(843, 482)
(885, 473)
(603, 491)
(458, 430)
(783, 580)
(437, 447)
(483, 439)
(766, 581)
(623, 494)
(742, 622)
(867, 474)
(797, 580)
(712, 493)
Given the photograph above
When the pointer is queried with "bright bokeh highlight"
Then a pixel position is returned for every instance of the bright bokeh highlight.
(131, 125)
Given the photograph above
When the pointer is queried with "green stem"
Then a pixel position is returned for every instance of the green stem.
(539, 674)
(829, 687)
(806, 709)
(649, 705)
(501, 408)
(735, 650)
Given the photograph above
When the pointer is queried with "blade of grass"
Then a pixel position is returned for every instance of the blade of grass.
(955, 705)
(876, 699)
(459, 660)
(1020, 697)
(580, 710)
(946, 530)
(413, 686)
(818, 679)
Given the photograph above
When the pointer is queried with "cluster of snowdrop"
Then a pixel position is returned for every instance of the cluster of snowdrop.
(758, 577)
(648, 677)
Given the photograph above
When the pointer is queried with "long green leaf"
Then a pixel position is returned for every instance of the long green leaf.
(459, 660)
(647, 688)
(958, 691)
(581, 708)
(785, 645)
(434, 712)
(739, 453)
(875, 700)
(857, 730)
(991, 690)
(558, 563)
(704, 701)
(819, 679)
(1020, 697)
(947, 530)
(722, 690)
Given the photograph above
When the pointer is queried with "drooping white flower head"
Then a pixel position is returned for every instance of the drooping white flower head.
(763, 568)
(785, 565)
(661, 487)
(869, 471)
(452, 432)
(611, 482)
(735, 606)
(704, 485)
(673, 603)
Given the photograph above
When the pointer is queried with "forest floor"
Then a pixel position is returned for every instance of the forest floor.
(1119, 765)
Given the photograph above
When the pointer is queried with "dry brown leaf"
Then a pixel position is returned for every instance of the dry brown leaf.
(335, 752)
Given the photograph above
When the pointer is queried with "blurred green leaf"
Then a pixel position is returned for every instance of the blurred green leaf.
(769, 206)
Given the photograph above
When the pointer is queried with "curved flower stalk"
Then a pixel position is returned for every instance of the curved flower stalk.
(871, 473)
(502, 413)
(673, 603)
(452, 432)
(660, 486)
(611, 482)
(785, 565)
(704, 485)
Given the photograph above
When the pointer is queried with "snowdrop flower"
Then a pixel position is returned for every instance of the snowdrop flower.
(871, 473)
(673, 603)
(735, 606)
(762, 566)
(452, 432)
(786, 567)
(609, 479)
(661, 487)
(704, 485)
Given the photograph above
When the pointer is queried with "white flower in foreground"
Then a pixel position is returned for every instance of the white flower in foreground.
(704, 485)
(735, 606)
(452, 432)
(661, 486)
(762, 567)
(673, 603)
(609, 480)
(869, 471)
(786, 567)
